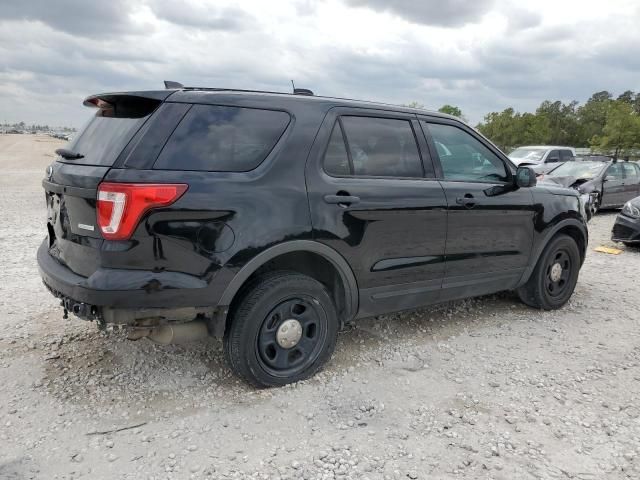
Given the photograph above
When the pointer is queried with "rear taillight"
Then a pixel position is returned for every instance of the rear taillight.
(122, 205)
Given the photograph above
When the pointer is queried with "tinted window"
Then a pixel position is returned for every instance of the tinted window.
(554, 156)
(566, 155)
(103, 138)
(615, 170)
(463, 157)
(227, 139)
(382, 147)
(336, 160)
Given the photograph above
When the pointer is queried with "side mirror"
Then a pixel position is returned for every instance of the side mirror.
(526, 177)
(609, 178)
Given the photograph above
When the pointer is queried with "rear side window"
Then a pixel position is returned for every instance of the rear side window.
(378, 147)
(222, 139)
(336, 159)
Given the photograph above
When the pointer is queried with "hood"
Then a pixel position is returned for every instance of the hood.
(523, 161)
(569, 182)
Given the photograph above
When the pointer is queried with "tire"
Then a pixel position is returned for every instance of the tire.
(545, 289)
(260, 341)
(632, 244)
(596, 206)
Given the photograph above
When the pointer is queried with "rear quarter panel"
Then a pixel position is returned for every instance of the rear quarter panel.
(225, 218)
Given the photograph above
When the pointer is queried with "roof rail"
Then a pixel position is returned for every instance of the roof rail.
(168, 84)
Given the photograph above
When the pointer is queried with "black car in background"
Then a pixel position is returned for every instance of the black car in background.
(608, 184)
(626, 229)
(274, 219)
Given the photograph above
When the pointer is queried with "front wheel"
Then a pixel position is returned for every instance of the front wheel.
(595, 204)
(553, 280)
(282, 331)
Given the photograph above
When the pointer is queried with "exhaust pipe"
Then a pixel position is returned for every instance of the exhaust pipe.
(179, 333)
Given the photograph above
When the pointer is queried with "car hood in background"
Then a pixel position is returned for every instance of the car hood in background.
(565, 181)
(523, 161)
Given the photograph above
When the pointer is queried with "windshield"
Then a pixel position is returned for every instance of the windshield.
(534, 154)
(578, 169)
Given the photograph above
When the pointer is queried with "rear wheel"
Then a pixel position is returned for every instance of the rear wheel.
(553, 280)
(282, 331)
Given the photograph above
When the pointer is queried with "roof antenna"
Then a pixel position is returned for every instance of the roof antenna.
(300, 91)
(170, 85)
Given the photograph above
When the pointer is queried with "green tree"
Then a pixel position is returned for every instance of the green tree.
(621, 132)
(592, 117)
(562, 121)
(500, 128)
(413, 104)
(627, 97)
(451, 110)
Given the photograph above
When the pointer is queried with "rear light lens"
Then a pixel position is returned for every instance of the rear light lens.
(122, 205)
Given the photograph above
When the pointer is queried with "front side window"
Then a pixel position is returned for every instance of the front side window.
(553, 157)
(630, 172)
(378, 147)
(615, 171)
(463, 157)
(223, 139)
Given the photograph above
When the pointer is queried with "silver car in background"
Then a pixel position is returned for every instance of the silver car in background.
(542, 158)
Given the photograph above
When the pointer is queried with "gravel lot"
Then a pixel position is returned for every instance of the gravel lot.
(483, 388)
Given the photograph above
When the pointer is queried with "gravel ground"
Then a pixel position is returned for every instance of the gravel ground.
(483, 388)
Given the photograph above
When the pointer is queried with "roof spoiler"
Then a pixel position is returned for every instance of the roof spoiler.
(126, 105)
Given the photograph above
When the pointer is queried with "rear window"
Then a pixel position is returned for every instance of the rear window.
(103, 138)
(223, 139)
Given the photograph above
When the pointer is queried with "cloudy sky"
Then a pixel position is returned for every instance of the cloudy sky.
(482, 55)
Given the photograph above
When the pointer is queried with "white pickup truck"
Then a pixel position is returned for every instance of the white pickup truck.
(542, 158)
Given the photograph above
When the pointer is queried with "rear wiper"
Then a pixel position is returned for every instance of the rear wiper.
(69, 154)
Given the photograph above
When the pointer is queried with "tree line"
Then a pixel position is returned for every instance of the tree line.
(605, 124)
(33, 127)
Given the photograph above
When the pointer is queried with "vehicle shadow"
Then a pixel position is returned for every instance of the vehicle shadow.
(92, 367)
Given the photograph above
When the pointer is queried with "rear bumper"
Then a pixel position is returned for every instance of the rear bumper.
(124, 289)
(626, 230)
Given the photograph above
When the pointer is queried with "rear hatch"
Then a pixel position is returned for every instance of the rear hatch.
(72, 180)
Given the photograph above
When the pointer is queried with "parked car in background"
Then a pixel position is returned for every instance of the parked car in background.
(627, 226)
(542, 158)
(607, 184)
(274, 219)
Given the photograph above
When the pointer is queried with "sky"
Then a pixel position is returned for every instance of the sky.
(481, 55)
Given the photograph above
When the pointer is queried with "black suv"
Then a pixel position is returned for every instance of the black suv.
(273, 219)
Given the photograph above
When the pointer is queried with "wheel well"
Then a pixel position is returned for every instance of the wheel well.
(578, 236)
(307, 263)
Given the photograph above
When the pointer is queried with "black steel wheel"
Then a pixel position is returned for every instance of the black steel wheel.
(291, 336)
(282, 330)
(558, 273)
(554, 278)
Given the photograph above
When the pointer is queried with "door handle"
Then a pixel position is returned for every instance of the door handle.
(466, 201)
(341, 199)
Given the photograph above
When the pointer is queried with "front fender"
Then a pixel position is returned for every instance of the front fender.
(566, 224)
